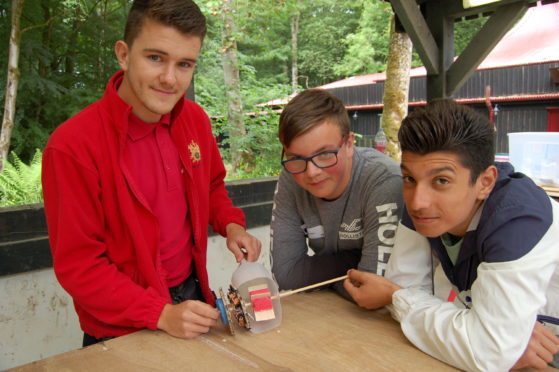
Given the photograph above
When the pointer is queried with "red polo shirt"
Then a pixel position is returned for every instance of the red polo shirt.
(153, 160)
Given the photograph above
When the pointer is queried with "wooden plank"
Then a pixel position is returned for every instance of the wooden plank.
(156, 351)
(457, 11)
(24, 255)
(22, 222)
(320, 331)
(551, 191)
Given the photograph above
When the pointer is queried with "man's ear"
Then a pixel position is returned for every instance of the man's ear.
(350, 143)
(122, 54)
(486, 182)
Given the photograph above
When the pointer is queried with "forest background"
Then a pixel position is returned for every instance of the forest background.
(255, 51)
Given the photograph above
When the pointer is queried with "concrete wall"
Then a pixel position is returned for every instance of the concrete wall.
(37, 317)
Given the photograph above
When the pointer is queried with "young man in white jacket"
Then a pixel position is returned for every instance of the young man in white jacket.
(492, 231)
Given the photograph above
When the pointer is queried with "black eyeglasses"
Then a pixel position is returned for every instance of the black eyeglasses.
(325, 159)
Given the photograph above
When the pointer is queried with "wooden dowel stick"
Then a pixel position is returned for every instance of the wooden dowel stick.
(293, 291)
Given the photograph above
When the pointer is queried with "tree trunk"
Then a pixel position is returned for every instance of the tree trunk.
(12, 82)
(69, 60)
(101, 56)
(294, 49)
(43, 67)
(396, 88)
(230, 62)
(45, 37)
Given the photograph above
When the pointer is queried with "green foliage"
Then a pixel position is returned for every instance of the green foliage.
(368, 46)
(261, 146)
(261, 54)
(322, 27)
(209, 85)
(21, 183)
(265, 38)
(65, 61)
(464, 31)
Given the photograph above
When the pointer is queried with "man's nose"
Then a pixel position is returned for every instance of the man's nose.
(419, 198)
(312, 170)
(168, 76)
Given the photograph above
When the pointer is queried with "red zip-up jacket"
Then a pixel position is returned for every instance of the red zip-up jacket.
(103, 237)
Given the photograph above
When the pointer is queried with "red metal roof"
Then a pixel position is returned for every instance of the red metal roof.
(369, 79)
(534, 39)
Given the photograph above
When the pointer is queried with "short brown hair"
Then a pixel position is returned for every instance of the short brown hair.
(183, 15)
(309, 109)
(444, 125)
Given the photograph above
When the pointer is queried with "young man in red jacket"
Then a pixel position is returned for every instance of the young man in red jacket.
(132, 182)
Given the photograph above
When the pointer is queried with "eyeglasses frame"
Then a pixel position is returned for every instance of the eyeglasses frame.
(310, 158)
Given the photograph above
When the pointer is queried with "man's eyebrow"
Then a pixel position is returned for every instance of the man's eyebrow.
(441, 170)
(153, 50)
(158, 51)
(432, 171)
(317, 151)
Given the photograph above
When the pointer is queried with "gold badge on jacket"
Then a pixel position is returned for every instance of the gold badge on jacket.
(195, 154)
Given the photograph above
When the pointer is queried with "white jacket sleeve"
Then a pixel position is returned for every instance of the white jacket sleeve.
(494, 332)
(411, 261)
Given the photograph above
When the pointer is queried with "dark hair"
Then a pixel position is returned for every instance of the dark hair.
(444, 125)
(309, 109)
(184, 15)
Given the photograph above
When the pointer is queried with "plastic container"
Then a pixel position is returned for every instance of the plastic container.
(536, 154)
(253, 273)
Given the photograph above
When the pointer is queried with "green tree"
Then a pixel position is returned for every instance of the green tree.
(367, 47)
(12, 81)
(66, 59)
(464, 30)
(321, 28)
(231, 77)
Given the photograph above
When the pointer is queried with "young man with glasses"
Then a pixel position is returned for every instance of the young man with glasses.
(341, 201)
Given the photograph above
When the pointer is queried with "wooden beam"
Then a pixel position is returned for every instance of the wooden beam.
(482, 43)
(442, 29)
(455, 10)
(410, 16)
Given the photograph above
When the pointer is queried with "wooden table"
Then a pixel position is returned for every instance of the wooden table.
(320, 331)
(551, 191)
